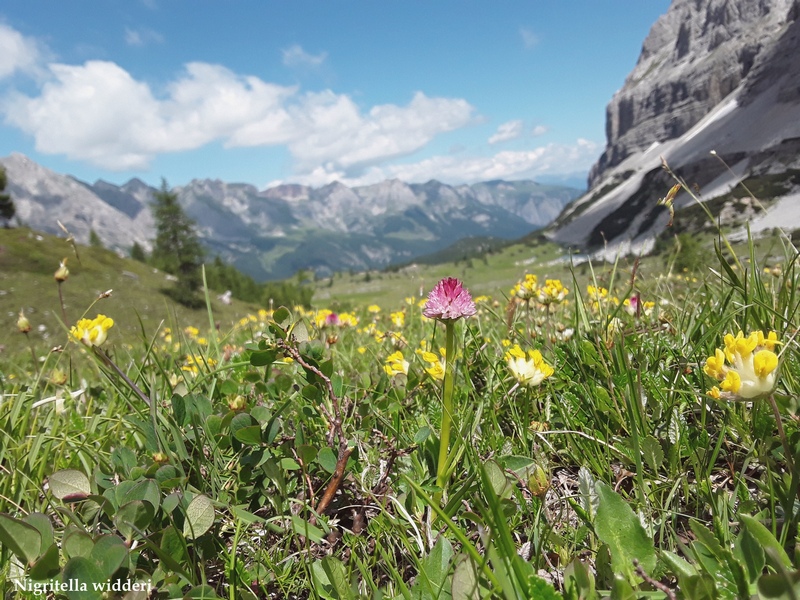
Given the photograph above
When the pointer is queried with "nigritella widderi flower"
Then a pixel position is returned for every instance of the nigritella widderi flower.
(746, 368)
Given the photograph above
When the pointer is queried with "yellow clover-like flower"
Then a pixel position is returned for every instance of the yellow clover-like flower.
(92, 332)
(526, 288)
(528, 369)
(747, 368)
(553, 292)
(396, 364)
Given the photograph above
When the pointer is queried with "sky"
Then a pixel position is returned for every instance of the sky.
(298, 91)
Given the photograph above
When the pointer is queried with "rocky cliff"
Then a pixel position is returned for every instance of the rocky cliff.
(695, 56)
(713, 75)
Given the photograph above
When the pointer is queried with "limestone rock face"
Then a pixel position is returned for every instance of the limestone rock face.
(695, 56)
(716, 96)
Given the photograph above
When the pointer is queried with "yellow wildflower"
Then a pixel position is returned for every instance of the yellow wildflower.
(398, 319)
(553, 292)
(746, 368)
(92, 332)
(529, 370)
(396, 364)
(525, 288)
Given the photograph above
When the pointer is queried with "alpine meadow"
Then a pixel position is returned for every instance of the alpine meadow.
(363, 384)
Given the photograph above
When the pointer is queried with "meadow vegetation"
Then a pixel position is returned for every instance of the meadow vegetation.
(622, 430)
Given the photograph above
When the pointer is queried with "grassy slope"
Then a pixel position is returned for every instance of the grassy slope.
(27, 263)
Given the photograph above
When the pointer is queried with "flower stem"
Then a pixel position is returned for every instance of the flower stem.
(781, 433)
(447, 407)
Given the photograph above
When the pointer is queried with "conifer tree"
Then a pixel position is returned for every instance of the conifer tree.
(7, 208)
(177, 248)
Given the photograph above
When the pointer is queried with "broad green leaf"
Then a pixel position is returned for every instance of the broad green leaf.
(77, 543)
(618, 526)
(337, 576)
(302, 527)
(109, 553)
(134, 515)
(172, 544)
(22, 539)
(322, 584)
(249, 428)
(779, 586)
(145, 489)
(262, 358)
(199, 517)
(307, 453)
(621, 589)
(249, 435)
(465, 580)
(765, 538)
(202, 592)
(228, 387)
(300, 332)
(578, 579)
(123, 459)
(498, 479)
(43, 524)
(422, 434)
(47, 566)
(86, 573)
(436, 565)
(282, 317)
(327, 459)
(69, 485)
(750, 554)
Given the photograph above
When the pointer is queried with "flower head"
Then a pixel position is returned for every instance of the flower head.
(528, 369)
(23, 325)
(553, 292)
(746, 368)
(525, 289)
(92, 332)
(396, 365)
(62, 272)
(449, 301)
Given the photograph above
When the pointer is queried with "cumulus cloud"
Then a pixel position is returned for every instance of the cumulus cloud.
(18, 53)
(539, 130)
(507, 131)
(295, 56)
(97, 112)
(142, 37)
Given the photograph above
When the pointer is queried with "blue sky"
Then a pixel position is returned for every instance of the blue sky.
(273, 91)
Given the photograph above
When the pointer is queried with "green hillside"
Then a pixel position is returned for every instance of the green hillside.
(28, 261)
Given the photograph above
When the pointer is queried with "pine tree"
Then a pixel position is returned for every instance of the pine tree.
(137, 252)
(7, 208)
(177, 249)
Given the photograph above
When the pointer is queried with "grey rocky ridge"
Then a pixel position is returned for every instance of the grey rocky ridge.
(717, 76)
(273, 233)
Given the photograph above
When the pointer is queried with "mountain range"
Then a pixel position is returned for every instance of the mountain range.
(273, 233)
(715, 95)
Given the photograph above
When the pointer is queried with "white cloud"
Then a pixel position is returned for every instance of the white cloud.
(529, 39)
(142, 37)
(507, 131)
(295, 56)
(98, 113)
(526, 164)
(539, 130)
(18, 53)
